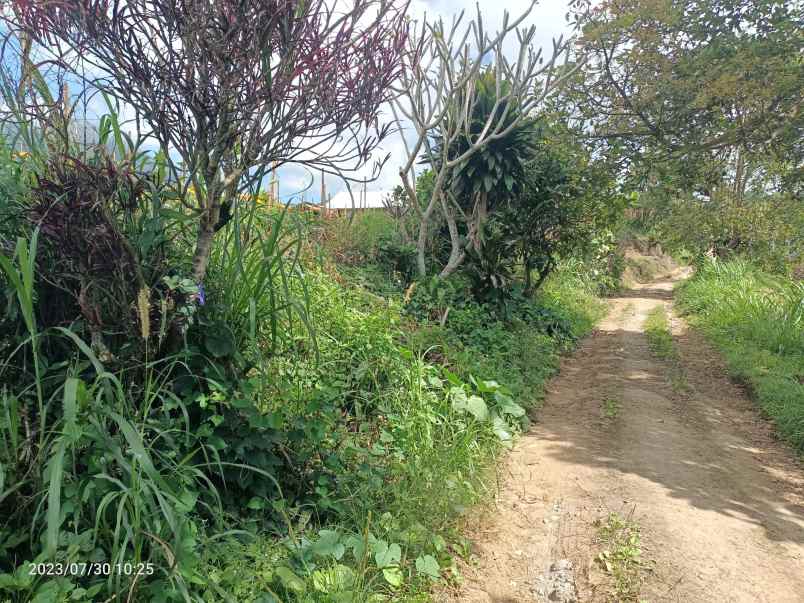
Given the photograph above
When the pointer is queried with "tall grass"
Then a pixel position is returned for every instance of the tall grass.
(757, 321)
(257, 281)
(85, 476)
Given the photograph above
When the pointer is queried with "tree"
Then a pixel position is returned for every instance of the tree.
(536, 219)
(712, 85)
(437, 94)
(479, 185)
(233, 86)
(568, 198)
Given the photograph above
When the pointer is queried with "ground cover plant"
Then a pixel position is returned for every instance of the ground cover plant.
(756, 320)
(620, 557)
(662, 345)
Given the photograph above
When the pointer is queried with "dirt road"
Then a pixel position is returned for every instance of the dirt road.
(719, 502)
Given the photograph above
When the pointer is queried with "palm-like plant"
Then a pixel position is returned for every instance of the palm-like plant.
(496, 172)
(482, 184)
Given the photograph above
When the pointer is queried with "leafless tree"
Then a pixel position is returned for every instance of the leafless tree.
(436, 96)
(232, 86)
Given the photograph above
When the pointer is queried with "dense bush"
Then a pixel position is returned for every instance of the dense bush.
(304, 407)
(292, 408)
(516, 344)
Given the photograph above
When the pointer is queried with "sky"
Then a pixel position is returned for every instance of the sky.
(548, 18)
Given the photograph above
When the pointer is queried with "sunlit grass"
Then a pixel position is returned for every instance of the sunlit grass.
(757, 322)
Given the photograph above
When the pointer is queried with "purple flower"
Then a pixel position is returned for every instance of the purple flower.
(201, 296)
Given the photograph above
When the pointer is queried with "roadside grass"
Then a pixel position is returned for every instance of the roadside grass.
(657, 330)
(434, 406)
(662, 345)
(756, 321)
(621, 556)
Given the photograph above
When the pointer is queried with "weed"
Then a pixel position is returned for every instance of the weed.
(657, 330)
(611, 408)
(621, 557)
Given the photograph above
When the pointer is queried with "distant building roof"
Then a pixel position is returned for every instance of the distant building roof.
(367, 200)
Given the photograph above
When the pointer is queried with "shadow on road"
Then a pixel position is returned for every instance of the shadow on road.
(698, 447)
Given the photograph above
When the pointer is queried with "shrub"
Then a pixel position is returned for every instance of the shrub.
(766, 229)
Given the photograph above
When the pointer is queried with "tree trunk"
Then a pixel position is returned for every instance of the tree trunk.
(528, 280)
(457, 253)
(203, 243)
(475, 227)
(421, 244)
(544, 272)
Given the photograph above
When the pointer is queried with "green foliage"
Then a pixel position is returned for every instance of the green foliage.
(537, 220)
(757, 322)
(277, 432)
(356, 239)
(498, 169)
(660, 339)
(92, 482)
(694, 82)
(160, 391)
(766, 229)
(567, 203)
(657, 330)
(517, 344)
(256, 297)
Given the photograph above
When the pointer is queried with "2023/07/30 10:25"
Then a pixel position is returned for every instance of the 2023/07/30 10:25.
(91, 568)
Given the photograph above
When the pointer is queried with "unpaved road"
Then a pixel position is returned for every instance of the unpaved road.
(719, 502)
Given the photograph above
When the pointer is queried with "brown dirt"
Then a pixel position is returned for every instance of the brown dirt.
(719, 501)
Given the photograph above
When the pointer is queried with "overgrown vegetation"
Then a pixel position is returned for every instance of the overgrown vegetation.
(657, 330)
(756, 320)
(304, 423)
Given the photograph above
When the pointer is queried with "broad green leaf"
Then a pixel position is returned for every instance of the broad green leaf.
(476, 406)
(219, 342)
(508, 407)
(487, 387)
(290, 580)
(329, 545)
(386, 555)
(256, 503)
(357, 545)
(428, 566)
(393, 576)
(501, 430)
(334, 579)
